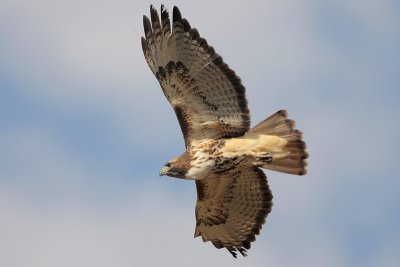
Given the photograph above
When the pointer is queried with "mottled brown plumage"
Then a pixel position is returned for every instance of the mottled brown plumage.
(223, 155)
(223, 208)
(207, 96)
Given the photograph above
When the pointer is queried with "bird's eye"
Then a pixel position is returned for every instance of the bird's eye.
(168, 164)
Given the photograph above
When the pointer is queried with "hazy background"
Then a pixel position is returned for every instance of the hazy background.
(85, 128)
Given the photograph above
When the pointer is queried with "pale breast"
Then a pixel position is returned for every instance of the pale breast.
(204, 154)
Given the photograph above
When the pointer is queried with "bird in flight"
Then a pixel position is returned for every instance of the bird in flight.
(223, 155)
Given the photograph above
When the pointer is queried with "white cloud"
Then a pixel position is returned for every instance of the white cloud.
(143, 230)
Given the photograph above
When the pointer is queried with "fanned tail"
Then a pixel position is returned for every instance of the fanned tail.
(292, 157)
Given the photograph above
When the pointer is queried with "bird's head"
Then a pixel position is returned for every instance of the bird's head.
(174, 168)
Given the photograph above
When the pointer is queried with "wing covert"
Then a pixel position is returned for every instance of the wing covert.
(206, 95)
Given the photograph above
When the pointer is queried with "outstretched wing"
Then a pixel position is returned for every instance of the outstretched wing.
(206, 95)
(232, 207)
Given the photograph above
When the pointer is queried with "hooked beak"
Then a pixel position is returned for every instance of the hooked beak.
(164, 171)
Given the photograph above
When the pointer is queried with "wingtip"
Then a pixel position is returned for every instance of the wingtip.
(146, 25)
(153, 13)
(163, 10)
(165, 21)
(186, 25)
(152, 9)
(144, 45)
(234, 250)
(176, 14)
(242, 251)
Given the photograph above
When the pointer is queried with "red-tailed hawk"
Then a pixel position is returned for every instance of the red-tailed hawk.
(223, 155)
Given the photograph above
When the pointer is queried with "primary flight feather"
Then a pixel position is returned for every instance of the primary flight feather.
(223, 155)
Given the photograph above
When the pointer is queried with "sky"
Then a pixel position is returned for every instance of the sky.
(85, 129)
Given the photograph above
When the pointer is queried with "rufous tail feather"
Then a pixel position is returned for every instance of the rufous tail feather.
(294, 161)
